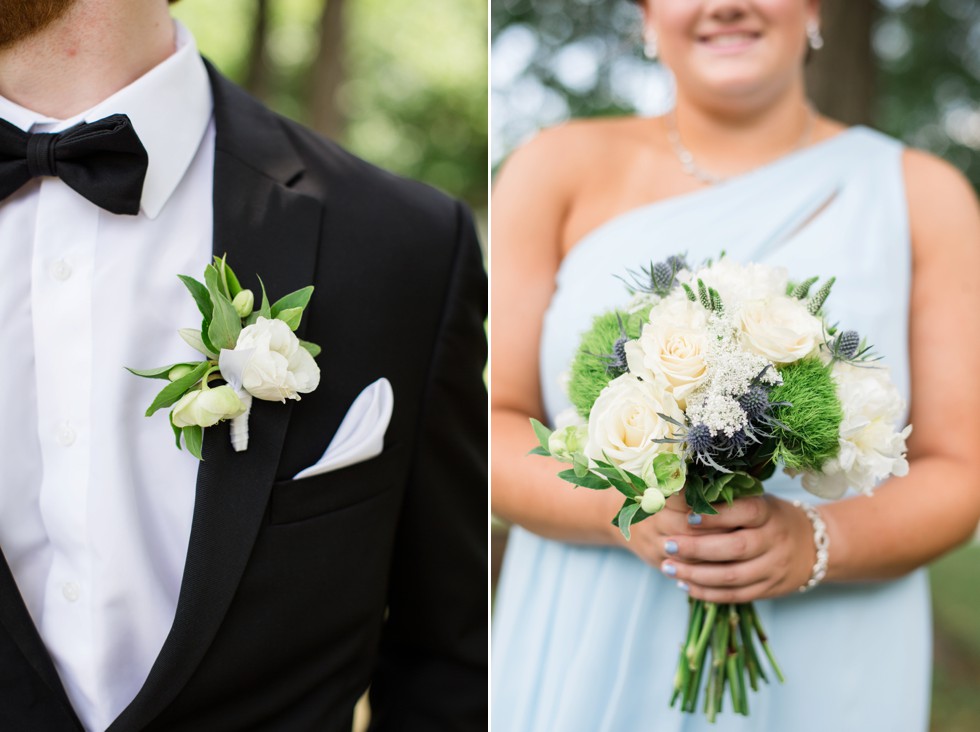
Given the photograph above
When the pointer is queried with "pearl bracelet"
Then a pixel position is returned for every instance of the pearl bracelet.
(822, 542)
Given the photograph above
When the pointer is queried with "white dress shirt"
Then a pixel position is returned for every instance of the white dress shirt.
(95, 500)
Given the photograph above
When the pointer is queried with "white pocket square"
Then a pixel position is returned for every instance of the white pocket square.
(361, 435)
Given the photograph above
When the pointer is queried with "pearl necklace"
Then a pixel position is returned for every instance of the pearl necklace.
(686, 158)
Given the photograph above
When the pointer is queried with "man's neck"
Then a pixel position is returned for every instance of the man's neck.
(94, 50)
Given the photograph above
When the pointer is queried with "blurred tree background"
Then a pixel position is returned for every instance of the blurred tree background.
(402, 86)
(910, 68)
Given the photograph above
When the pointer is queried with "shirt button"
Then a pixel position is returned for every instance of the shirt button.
(66, 435)
(71, 591)
(61, 270)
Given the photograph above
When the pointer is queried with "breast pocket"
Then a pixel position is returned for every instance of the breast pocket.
(297, 500)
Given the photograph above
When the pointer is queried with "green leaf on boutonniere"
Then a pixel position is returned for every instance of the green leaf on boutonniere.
(291, 317)
(195, 339)
(208, 345)
(232, 286)
(314, 350)
(176, 389)
(177, 430)
(265, 310)
(201, 296)
(194, 440)
(299, 299)
(160, 373)
(225, 323)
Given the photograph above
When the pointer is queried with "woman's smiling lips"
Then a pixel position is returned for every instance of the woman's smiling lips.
(728, 41)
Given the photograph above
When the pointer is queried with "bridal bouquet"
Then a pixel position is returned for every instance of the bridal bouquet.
(706, 382)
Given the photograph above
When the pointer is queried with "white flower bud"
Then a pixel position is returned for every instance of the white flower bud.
(653, 500)
(179, 371)
(206, 407)
(243, 303)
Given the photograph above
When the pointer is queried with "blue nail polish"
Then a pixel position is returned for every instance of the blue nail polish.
(682, 585)
(671, 547)
(694, 519)
(669, 569)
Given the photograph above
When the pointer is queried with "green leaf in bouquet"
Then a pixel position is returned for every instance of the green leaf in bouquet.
(689, 292)
(542, 433)
(624, 519)
(638, 483)
(617, 481)
(163, 372)
(176, 389)
(195, 339)
(200, 294)
(767, 471)
(299, 299)
(313, 348)
(225, 323)
(590, 481)
(539, 451)
(580, 464)
(694, 494)
(290, 317)
(712, 489)
(194, 440)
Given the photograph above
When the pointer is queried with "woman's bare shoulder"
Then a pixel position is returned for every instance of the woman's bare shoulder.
(579, 142)
(941, 201)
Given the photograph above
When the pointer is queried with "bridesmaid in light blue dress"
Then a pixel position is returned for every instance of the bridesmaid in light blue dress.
(575, 624)
(586, 631)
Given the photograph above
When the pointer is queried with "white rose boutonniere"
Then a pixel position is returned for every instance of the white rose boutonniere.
(255, 352)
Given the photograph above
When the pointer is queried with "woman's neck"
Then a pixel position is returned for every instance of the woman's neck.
(730, 140)
(94, 50)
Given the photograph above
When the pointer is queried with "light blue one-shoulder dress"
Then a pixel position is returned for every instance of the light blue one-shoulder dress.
(585, 638)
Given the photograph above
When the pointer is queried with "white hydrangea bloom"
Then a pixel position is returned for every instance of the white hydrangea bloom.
(871, 448)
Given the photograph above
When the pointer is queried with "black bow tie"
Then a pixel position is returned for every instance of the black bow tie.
(104, 161)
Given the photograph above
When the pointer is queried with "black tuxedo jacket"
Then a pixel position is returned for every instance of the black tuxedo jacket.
(297, 595)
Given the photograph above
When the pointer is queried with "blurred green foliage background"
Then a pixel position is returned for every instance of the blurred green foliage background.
(403, 85)
(908, 67)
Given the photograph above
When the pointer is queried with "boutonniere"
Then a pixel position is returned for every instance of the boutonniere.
(255, 353)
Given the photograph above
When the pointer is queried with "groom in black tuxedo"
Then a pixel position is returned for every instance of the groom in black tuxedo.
(295, 596)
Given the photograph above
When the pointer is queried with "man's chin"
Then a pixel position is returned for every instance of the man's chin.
(20, 19)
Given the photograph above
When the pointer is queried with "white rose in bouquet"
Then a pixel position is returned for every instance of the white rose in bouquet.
(780, 329)
(625, 421)
(276, 367)
(738, 283)
(672, 347)
(871, 448)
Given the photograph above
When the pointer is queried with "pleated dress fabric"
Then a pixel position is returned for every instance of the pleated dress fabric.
(586, 638)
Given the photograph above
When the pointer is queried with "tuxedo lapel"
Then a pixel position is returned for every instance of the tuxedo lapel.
(270, 230)
(17, 621)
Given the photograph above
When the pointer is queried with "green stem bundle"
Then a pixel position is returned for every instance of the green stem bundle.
(721, 643)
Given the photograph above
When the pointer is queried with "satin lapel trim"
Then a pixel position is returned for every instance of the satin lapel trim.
(268, 230)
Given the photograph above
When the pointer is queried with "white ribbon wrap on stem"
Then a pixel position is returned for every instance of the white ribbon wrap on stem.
(232, 364)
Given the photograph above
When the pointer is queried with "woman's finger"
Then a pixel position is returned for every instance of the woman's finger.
(743, 513)
(727, 546)
(720, 575)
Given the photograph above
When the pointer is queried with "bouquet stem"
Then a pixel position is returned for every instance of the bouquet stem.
(729, 633)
